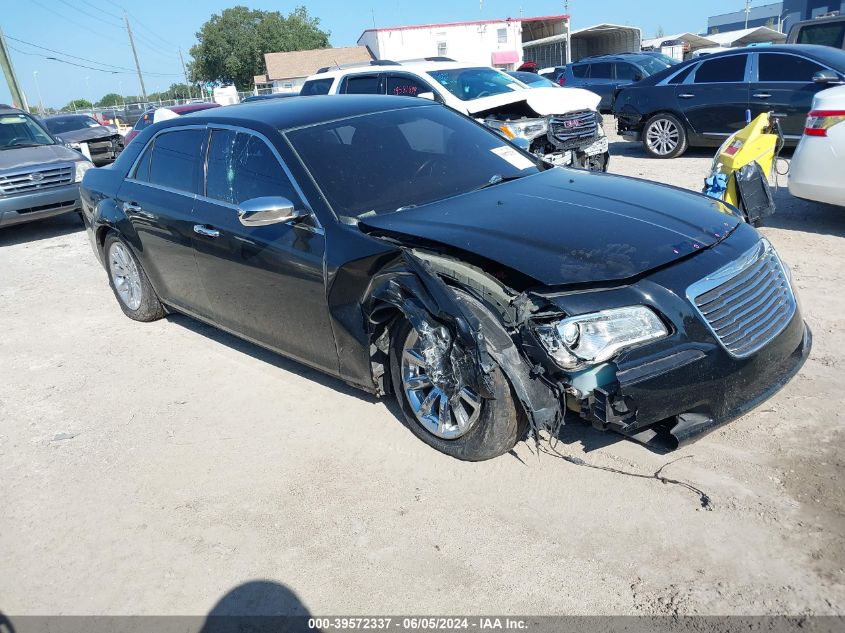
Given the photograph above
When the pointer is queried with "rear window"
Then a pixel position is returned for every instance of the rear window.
(175, 157)
(825, 34)
(603, 70)
(146, 120)
(316, 87)
(722, 70)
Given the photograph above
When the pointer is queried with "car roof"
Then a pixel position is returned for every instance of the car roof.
(192, 107)
(826, 54)
(611, 57)
(418, 66)
(284, 114)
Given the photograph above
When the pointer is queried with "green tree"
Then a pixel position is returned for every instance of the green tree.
(78, 104)
(231, 46)
(109, 100)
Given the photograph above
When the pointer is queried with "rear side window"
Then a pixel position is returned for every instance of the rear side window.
(175, 158)
(830, 34)
(142, 170)
(627, 71)
(405, 86)
(316, 87)
(722, 70)
(242, 167)
(363, 85)
(776, 67)
(601, 71)
(580, 71)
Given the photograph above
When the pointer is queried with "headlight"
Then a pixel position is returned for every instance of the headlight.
(523, 128)
(594, 338)
(81, 167)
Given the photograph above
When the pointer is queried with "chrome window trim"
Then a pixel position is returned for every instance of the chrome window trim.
(755, 78)
(209, 127)
(239, 128)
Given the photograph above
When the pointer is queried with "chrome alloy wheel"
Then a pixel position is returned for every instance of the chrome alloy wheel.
(430, 404)
(663, 137)
(124, 274)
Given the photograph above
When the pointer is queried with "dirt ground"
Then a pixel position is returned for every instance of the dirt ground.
(154, 468)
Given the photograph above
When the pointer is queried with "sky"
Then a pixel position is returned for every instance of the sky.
(91, 29)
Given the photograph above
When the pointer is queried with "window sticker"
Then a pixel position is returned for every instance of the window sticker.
(513, 157)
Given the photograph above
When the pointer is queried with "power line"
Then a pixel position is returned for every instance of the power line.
(85, 59)
(75, 23)
(62, 61)
(89, 14)
(101, 10)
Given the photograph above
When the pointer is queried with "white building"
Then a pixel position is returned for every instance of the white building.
(484, 42)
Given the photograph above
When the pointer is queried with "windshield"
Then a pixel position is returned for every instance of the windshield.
(473, 83)
(395, 160)
(21, 130)
(69, 124)
(652, 64)
(534, 80)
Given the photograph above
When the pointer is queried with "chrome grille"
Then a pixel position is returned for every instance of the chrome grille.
(572, 130)
(36, 179)
(747, 303)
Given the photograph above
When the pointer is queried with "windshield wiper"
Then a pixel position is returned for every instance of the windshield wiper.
(498, 179)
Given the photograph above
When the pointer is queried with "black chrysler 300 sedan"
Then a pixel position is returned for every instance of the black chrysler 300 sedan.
(405, 249)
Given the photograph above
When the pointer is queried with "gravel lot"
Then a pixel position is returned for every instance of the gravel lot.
(153, 468)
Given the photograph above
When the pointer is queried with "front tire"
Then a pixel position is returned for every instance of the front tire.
(664, 136)
(468, 427)
(130, 284)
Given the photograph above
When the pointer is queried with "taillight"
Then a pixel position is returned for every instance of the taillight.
(561, 80)
(820, 121)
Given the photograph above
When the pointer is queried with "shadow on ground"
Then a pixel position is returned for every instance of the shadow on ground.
(258, 606)
(806, 216)
(41, 229)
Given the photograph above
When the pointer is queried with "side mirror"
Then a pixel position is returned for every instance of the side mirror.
(268, 210)
(826, 77)
(638, 77)
(426, 95)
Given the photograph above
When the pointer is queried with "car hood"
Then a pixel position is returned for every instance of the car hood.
(564, 226)
(544, 101)
(86, 134)
(24, 157)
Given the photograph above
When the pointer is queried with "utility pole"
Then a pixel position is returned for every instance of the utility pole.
(135, 55)
(568, 26)
(185, 72)
(18, 97)
(38, 89)
(747, 11)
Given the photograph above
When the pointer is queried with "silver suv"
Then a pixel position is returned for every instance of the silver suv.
(39, 177)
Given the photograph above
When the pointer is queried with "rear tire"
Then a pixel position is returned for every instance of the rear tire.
(492, 431)
(664, 136)
(129, 282)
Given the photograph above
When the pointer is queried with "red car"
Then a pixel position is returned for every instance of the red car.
(162, 114)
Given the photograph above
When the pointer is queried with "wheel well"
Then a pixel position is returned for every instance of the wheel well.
(102, 232)
(680, 118)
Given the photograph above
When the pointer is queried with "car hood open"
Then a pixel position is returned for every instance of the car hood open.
(544, 101)
(564, 226)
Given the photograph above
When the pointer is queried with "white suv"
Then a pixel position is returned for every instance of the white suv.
(562, 125)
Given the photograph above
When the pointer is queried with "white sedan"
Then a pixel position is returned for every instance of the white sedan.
(818, 165)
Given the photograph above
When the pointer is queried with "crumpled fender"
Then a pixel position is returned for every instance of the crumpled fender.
(472, 341)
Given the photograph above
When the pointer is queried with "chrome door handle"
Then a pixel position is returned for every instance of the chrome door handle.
(206, 231)
(131, 207)
(761, 95)
(686, 95)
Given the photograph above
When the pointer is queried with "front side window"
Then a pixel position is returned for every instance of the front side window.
(363, 85)
(627, 71)
(777, 67)
(474, 83)
(175, 158)
(21, 130)
(722, 70)
(241, 167)
(392, 161)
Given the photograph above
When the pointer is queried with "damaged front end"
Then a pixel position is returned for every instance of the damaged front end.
(575, 138)
(464, 319)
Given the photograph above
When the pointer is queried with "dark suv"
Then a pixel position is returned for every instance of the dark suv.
(605, 73)
(703, 101)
